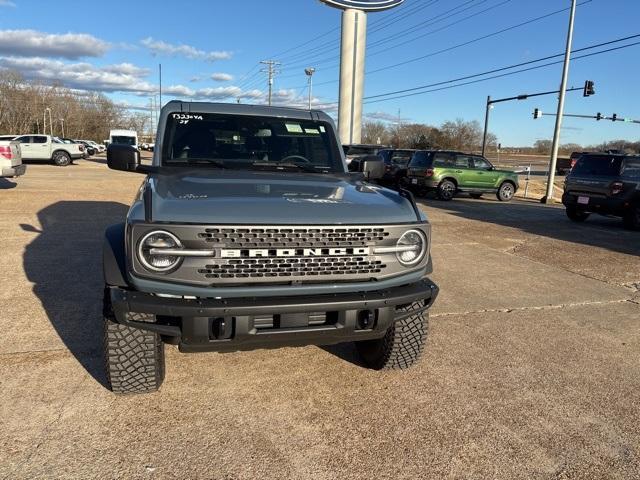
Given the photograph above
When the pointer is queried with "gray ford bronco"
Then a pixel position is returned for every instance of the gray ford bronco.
(248, 232)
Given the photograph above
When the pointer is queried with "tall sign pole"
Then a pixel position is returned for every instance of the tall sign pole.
(352, 56)
(548, 198)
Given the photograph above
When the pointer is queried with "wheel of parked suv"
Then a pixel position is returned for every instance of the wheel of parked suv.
(475, 195)
(401, 346)
(506, 191)
(446, 190)
(577, 215)
(61, 159)
(134, 358)
(632, 218)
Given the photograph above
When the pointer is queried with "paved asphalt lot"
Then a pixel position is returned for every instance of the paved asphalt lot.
(532, 368)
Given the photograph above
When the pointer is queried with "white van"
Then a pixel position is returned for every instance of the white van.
(123, 137)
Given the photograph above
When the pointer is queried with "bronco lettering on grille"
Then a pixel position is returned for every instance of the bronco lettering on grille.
(291, 252)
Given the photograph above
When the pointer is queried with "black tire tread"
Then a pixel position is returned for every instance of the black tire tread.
(134, 359)
(402, 345)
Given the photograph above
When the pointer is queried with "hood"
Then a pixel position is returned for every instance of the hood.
(214, 196)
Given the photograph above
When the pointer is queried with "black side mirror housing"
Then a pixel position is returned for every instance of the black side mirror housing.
(123, 157)
(372, 166)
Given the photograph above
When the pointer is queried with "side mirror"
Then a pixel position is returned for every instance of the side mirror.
(123, 157)
(373, 167)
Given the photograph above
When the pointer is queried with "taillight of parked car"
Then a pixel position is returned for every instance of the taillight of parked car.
(573, 162)
(428, 172)
(616, 188)
(6, 151)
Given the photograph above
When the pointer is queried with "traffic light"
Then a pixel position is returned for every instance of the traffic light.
(537, 114)
(614, 117)
(588, 89)
(598, 116)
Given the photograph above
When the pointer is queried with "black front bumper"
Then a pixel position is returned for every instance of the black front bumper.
(249, 323)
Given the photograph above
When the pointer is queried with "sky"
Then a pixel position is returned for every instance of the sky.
(210, 49)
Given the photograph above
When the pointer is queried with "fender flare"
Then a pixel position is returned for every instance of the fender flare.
(114, 260)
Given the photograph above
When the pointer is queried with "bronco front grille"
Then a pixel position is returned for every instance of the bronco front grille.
(292, 267)
(293, 237)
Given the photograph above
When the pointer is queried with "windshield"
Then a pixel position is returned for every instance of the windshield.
(401, 157)
(249, 143)
(598, 165)
(122, 140)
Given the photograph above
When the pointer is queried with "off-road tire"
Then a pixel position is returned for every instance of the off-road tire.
(134, 358)
(631, 218)
(477, 196)
(506, 192)
(446, 190)
(576, 215)
(402, 345)
(61, 159)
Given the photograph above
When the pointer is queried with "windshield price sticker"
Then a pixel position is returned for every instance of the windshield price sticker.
(183, 118)
(294, 128)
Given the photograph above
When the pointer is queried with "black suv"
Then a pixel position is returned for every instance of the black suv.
(608, 184)
(396, 162)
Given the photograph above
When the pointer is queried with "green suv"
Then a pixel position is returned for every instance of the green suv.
(448, 173)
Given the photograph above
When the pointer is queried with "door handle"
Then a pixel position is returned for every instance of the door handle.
(480, 173)
(458, 171)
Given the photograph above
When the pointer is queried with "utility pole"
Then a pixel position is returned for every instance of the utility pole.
(160, 78)
(62, 122)
(548, 198)
(271, 72)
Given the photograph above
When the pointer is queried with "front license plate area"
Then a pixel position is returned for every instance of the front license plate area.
(583, 200)
(414, 181)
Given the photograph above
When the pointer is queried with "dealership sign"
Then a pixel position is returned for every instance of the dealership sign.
(365, 5)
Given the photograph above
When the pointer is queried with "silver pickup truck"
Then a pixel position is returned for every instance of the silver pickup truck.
(249, 232)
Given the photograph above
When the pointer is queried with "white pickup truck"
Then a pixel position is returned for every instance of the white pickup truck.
(10, 159)
(50, 149)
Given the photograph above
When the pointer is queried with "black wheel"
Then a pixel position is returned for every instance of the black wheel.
(631, 219)
(401, 346)
(506, 191)
(475, 195)
(446, 190)
(576, 215)
(134, 358)
(61, 159)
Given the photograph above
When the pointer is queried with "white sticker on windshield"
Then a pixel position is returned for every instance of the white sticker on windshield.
(293, 128)
(313, 131)
(321, 128)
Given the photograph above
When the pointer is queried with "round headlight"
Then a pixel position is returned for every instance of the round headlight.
(412, 246)
(150, 251)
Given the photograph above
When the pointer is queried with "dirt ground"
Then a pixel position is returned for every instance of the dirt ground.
(532, 366)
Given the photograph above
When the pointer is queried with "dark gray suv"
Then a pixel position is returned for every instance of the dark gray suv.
(248, 232)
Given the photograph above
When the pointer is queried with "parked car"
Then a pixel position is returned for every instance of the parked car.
(396, 162)
(360, 149)
(10, 158)
(48, 148)
(88, 148)
(449, 172)
(280, 248)
(608, 184)
(7, 137)
(96, 146)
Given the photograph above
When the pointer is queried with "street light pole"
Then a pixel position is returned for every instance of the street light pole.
(62, 122)
(309, 72)
(486, 125)
(548, 198)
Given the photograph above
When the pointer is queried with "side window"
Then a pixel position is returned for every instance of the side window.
(443, 160)
(463, 161)
(38, 139)
(631, 168)
(480, 163)
(25, 139)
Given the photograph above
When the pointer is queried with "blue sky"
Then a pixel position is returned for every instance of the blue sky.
(115, 47)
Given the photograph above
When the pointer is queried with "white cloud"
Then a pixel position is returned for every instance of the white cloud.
(127, 69)
(195, 78)
(221, 77)
(7, 3)
(31, 43)
(158, 47)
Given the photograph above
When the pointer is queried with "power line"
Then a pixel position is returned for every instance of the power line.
(446, 87)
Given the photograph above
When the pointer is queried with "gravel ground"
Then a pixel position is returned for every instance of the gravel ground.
(532, 368)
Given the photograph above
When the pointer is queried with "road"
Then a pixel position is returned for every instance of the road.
(532, 368)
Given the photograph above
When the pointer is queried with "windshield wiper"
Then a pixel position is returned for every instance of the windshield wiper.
(298, 166)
